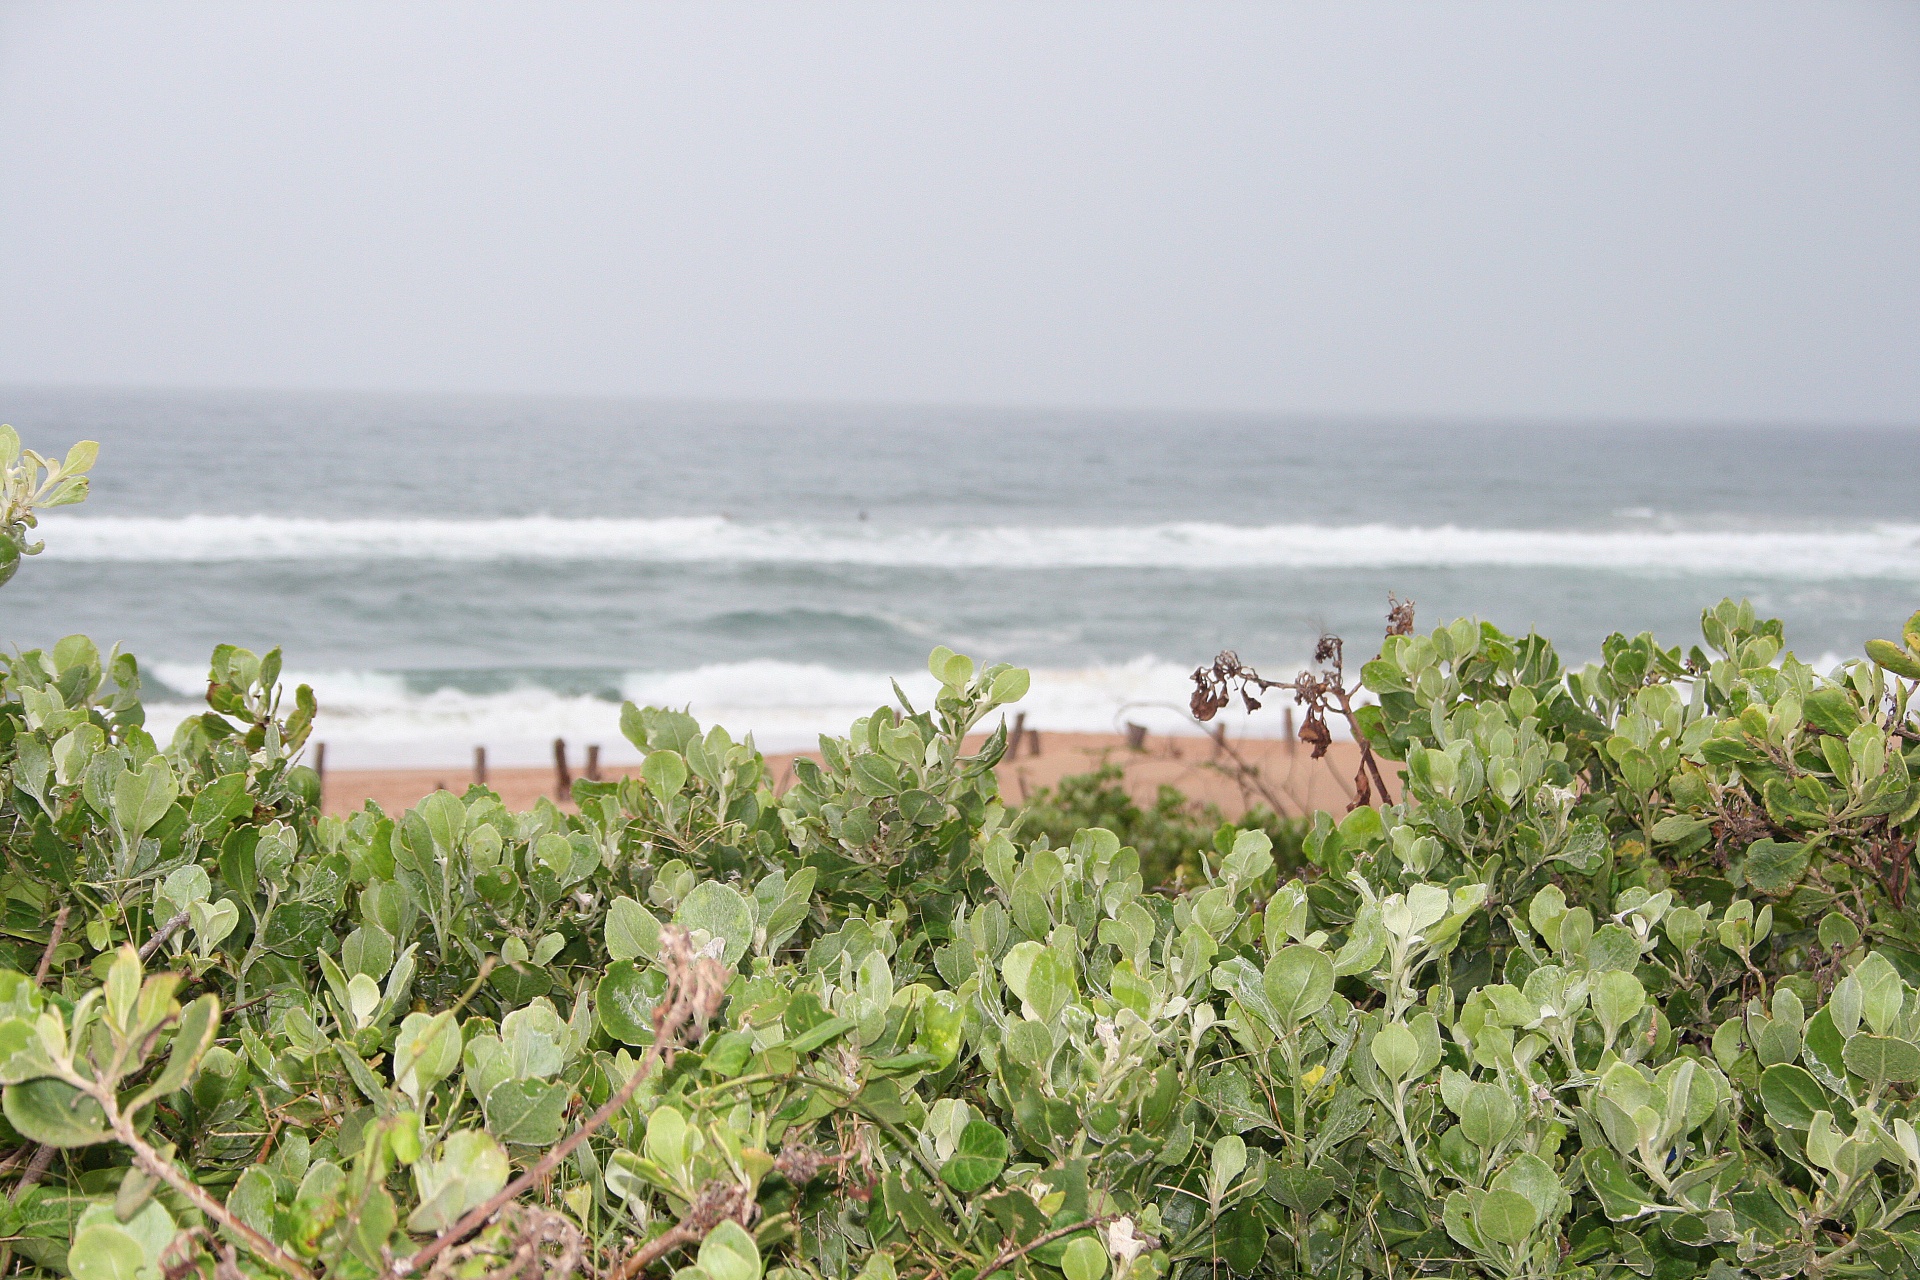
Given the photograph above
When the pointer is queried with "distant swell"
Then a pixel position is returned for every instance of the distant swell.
(1879, 551)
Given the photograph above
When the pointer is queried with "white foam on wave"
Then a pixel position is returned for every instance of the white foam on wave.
(372, 720)
(1877, 551)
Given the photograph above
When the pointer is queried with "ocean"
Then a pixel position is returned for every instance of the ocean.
(450, 572)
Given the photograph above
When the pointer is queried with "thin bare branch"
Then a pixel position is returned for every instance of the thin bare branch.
(159, 939)
(695, 987)
(1007, 1256)
(717, 1203)
(151, 1161)
(53, 941)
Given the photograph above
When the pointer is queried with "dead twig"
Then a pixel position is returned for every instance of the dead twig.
(695, 988)
(150, 1161)
(717, 1202)
(159, 939)
(1012, 1254)
(1319, 691)
(540, 1245)
(53, 941)
(1247, 776)
(42, 1157)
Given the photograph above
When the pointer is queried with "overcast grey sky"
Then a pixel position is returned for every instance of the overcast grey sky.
(1666, 211)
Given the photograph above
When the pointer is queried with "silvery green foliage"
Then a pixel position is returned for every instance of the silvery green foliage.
(31, 483)
(1627, 987)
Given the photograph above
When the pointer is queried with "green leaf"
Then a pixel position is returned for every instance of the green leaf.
(252, 1200)
(1620, 1197)
(665, 773)
(1050, 986)
(1677, 827)
(472, 1167)
(1487, 1116)
(1300, 1189)
(624, 1004)
(721, 913)
(80, 458)
(1456, 1214)
(1773, 867)
(821, 1033)
(1617, 997)
(728, 1253)
(1791, 1096)
(294, 929)
(1239, 1239)
(1228, 1162)
(1010, 686)
(1532, 1178)
(425, 1051)
(951, 669)
(370, 1085)
(1830, 709)
(1894, 658)
(1824, 1052)
(632, 930)
(105, 1251)
(199, 1025)
(142, 797)
(54, 1112)
(1838, 931)
(1298, 983)
(527, 1113)
(1084, 1258)
(977, 1158)
(1505, 1217)
(874, 775)
(519, 984)
(1882, 1060)
(1396, 1050)
(213, 922)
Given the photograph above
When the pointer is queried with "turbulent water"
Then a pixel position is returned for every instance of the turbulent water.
(454, 572)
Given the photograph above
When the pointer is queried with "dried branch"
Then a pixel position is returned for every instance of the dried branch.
(695, 988)
(1247, 775)
(42, 1157)
(53, 940)
(530, 1235)
(717, 1202)
(1319, 691)
(1012, 1254)
(150, 1161)
(159, 939)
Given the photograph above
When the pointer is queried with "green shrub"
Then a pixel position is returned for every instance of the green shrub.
(1170, 836)
(1626, 987)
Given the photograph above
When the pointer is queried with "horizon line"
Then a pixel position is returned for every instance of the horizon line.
(1295, 416)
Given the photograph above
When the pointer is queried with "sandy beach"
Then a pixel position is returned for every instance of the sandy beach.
(1235, 775)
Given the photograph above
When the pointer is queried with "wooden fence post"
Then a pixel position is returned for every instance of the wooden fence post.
(562, 777)
(480, 765)
(593, 762)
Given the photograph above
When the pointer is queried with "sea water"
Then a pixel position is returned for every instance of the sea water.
(450, 572)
